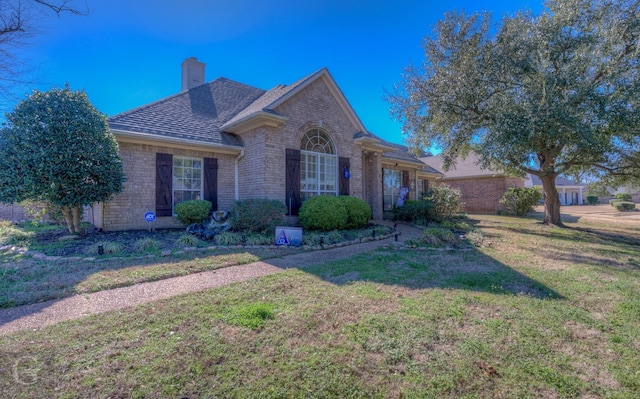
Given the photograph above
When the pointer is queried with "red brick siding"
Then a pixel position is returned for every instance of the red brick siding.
(126, 210)
(482, 194)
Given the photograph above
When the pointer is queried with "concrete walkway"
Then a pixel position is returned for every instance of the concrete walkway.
(36, 316)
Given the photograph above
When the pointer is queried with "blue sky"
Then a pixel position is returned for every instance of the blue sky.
(128, 53)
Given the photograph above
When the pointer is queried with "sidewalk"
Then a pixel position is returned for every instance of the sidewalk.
(36, 316)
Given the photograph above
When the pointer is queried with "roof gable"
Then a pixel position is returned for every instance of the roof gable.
(266, 104)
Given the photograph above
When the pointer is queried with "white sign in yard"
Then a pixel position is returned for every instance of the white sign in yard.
(291, 236)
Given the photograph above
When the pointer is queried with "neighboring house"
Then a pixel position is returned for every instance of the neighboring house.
(480, 189)
(225, 141)
(569, 192)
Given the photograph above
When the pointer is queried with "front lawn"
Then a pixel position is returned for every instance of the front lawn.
(537, 312)
(26, 279)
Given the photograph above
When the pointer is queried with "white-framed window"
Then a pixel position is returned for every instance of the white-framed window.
(318, 165)
(392, 181)
(187, 179)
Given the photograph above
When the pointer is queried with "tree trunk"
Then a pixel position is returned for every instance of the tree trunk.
(77, 221)
(72, 218)
(68, 218)
(551, 201)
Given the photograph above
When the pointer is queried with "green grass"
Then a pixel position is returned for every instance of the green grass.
(535, 312)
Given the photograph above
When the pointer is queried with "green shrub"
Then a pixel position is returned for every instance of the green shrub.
(623, 206)
(192, 211)
(455, 225)
(257, 215)
(358, 211)
(412, 211)
(323, 212)
(519, 201)
(592, 199)
(445, 202)
(613, 201)
(623, 197)
(475, 237)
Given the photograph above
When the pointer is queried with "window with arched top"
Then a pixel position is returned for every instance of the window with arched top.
(318, 165)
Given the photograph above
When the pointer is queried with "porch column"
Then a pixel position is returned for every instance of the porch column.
(564, 197)
(580, 196)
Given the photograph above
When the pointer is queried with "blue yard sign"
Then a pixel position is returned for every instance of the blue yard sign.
(149, 216)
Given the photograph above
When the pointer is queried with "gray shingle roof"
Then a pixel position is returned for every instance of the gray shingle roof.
(196, 114)
(467, 167)
(267, 99)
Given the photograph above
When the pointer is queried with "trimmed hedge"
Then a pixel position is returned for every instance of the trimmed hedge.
(520, 201)
(623, 197)
(324, 212)
(257, 215)
(592, 199)
(358, 211)
(614, 201)
(412, 211)
(624, 206)
(192, 211)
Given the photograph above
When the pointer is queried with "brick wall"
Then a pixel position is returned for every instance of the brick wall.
(126, 210)
(262, 170)
(482, 194)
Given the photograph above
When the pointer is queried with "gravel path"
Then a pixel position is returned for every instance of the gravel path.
(36, 316)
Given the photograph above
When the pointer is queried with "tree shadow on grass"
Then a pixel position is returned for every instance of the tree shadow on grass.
(450, 269)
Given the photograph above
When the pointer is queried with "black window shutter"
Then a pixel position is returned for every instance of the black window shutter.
(164, 181)
(405, 178)
(210, 170)
(343, 165)
(292, 194)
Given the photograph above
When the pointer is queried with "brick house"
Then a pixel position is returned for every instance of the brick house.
(481, 189)
(225, 141)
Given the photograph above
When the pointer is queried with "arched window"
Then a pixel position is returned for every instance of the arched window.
(318, 165)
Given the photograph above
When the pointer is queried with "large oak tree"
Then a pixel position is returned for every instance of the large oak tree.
(56, 147)
(547, 94)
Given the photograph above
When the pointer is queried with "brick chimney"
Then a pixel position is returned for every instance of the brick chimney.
(192, 73)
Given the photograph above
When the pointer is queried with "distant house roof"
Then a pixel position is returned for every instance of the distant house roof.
(464, 168)
(560, 182)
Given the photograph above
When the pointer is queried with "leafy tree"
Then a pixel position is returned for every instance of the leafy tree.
(548, 94)
(57, 147)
